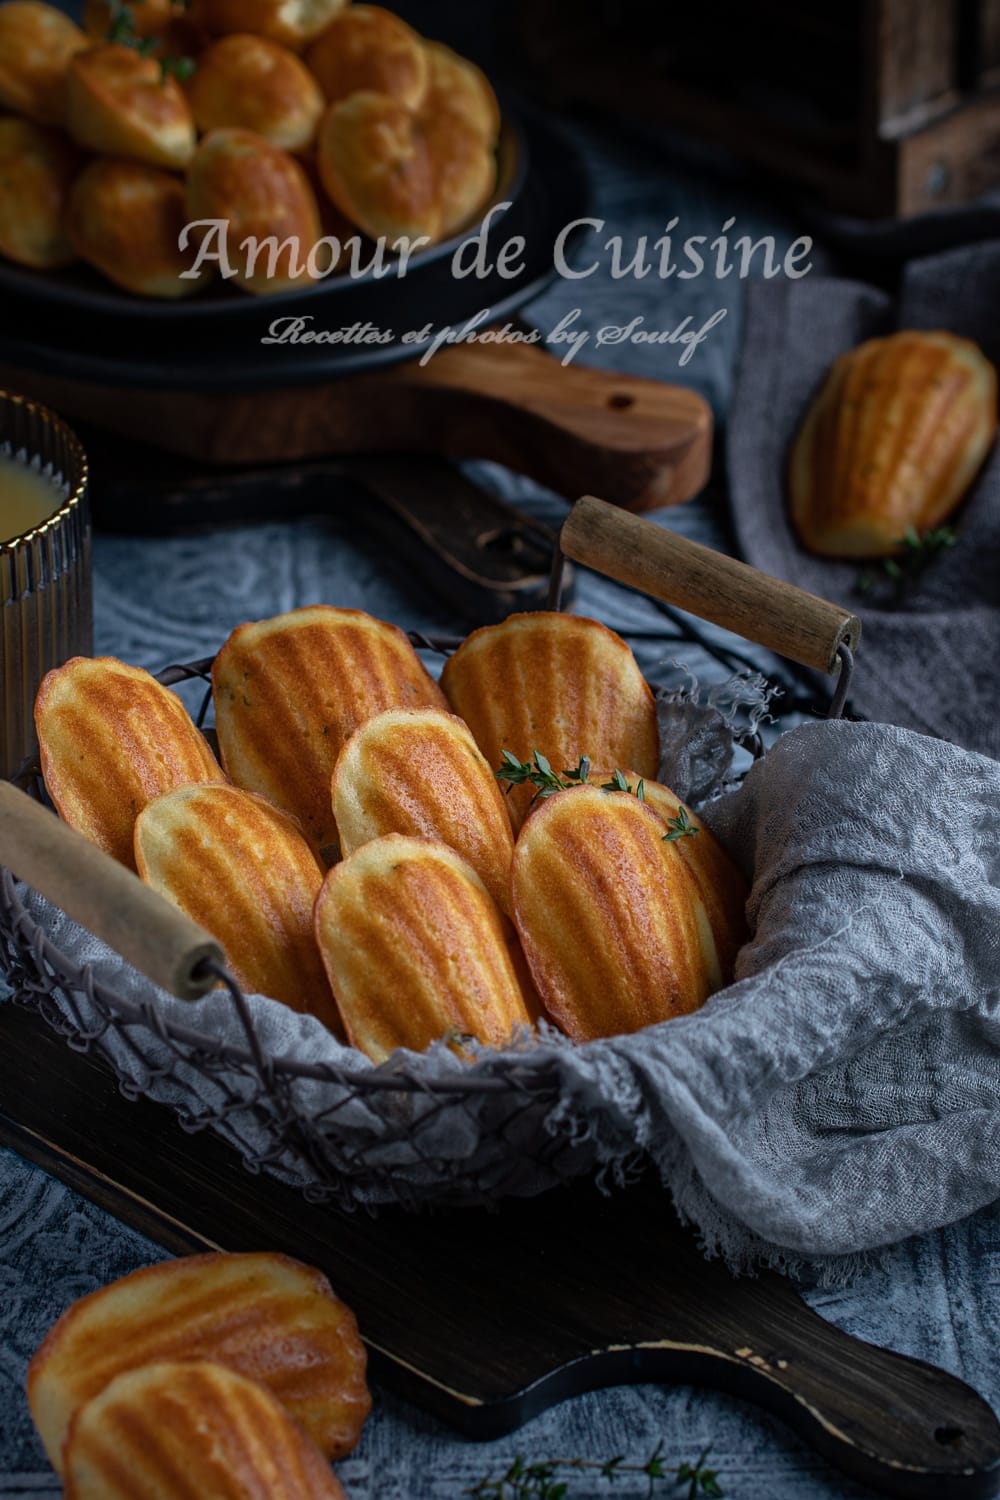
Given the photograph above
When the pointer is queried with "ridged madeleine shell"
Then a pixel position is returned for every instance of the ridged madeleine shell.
(193, 1431)
(290, 691)
(416, 947)
(266, 1316)
(111, 739)
(893, 440)
(242, 869)
(419, 771)
(561, 684)
(610, 917)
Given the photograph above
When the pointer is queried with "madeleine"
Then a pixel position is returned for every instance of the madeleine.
(242, 869)
(249, 82)
(265, 196)
(417, 949)
(457, 88)
(126, 219)
(36, 45)
(366, 48)
(38, 166)
(293, 23)
(120, 104)
(228, 1436)
(111, 739)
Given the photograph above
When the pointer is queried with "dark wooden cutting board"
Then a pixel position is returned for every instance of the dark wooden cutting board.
(487, 1318)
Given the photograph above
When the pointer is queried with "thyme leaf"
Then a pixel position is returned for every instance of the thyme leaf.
(680, 827)
(541, 1481)
(902, 571)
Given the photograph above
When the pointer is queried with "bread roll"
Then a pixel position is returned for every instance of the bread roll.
(226, 1435)
(290, 691)
(242, 869)
(265, 197)
(366, 48)
(246, 81)
(293, 23)
(457, 88)
(893, 441)
(111, 739)
(419, 771)
(609, 916)
(561, 684)
(121, 104)
(125, 219)
(265, 1316)
(37, 169)
(416, 948)
(36, 44)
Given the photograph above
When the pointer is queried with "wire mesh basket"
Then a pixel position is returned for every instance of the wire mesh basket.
(418, 1128)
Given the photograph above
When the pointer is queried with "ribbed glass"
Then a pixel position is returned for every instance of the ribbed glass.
(46, 603)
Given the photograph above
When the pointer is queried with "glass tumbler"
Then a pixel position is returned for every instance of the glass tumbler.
(46, 600)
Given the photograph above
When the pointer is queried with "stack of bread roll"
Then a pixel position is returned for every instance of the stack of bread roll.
(311, 121)
(355, 854)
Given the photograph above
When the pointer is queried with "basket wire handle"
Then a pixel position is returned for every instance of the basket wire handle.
(720, 589)
(104, 897)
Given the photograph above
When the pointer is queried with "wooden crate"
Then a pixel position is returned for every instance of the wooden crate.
(880, 107)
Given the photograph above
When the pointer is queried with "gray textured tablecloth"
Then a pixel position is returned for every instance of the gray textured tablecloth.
(936, 1297)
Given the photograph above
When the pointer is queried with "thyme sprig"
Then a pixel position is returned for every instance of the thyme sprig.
(541, 1481)
(122, 30)
(538, 773)
(917, 554)
(680, 827)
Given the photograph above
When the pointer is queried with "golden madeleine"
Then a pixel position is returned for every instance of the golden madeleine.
(125, 219)
(609, 916)
(111, 739)
(366, 48)
(37, 168)
(457, 88)
(36, 45)
(246, 81)
(561, 684)
(419, 771)
(122, 104)
(146, 18)
(242, 869)
(265, 196)
(416, 948)
(293, 23)
(400, 174)
(265, 1316)
(893, 441)
(228, 1437)
(290, 691)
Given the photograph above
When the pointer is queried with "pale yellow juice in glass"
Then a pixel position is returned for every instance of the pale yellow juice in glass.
(27, 498)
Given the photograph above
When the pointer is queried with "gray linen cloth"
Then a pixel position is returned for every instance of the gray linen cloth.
(840, 1095)
(933, 663)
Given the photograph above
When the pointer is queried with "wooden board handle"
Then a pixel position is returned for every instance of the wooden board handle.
(721, 589)
(104, 897)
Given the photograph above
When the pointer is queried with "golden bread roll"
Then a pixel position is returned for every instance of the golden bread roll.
(893, 440)
(37, 169)
(366, 48)
(193, 1431)
(246, 81)
(289, 693)
(415, 948)
(399, 174)
(111, 739)
(265, 196)
(720, 881)
(241, 868)
(419, 771)
(561, 684)
(610, 917)
(124, 219)
(146, 17)
(456, 87)
(293, 23)
(265, 1316)
(36, 44)
(122, 104)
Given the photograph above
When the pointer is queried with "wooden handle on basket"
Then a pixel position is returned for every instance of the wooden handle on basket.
(105, 897)
(776, 615)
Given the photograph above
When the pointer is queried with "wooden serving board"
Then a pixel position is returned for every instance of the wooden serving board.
(485, 1318)
(640, 443)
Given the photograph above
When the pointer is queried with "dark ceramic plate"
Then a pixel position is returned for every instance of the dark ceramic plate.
(74, 325)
